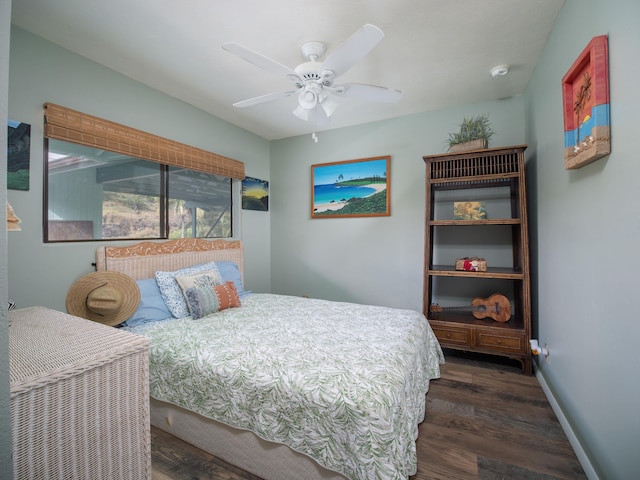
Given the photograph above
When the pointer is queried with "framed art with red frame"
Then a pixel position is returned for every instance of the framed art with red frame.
(585, 96)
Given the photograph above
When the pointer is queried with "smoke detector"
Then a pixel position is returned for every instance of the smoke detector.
(499, 71)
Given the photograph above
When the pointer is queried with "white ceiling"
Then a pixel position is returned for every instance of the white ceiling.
(437, 52)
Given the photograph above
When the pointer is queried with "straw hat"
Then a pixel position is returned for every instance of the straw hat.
(104, 297)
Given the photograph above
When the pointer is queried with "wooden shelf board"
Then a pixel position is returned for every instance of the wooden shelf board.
(445, 319)
(462, 223)
(492, 272)
(475, 181)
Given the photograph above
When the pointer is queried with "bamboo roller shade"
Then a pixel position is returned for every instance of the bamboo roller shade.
(69, 125)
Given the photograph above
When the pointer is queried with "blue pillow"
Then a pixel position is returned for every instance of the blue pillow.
(151, 307)
(231, 273)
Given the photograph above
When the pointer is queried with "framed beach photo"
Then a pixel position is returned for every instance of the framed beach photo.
(352, 188)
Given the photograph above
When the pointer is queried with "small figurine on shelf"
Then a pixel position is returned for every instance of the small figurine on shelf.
(474, 264)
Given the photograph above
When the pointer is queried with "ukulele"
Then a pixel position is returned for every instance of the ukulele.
(496, 306)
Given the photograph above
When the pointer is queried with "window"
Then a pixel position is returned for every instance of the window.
(198, 202)
(94, 194)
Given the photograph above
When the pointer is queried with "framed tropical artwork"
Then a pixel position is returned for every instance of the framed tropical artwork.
(585, 95)
(18, 154)
(351, 188)
(255, 194)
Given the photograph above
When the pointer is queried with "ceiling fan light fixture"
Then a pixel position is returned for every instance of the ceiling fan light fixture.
(311, 95)
(301, 113)
(307, 99)
(329, 106)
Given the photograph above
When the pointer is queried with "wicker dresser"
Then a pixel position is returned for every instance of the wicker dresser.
(79, 398)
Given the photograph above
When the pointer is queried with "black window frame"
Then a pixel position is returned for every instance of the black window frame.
(164, 171)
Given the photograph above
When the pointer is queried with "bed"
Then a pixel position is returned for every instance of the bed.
(281, 386)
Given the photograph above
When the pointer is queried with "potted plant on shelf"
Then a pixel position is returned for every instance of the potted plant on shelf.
(474, 134)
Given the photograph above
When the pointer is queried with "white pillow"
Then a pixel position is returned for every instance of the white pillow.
(172, 293)
(209, 278)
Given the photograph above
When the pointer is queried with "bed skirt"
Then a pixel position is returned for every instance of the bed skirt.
(242, 448)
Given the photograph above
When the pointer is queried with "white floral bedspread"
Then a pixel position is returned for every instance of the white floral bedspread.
(340, 382)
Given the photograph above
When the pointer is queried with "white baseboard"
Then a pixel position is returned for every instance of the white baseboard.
(584, 460)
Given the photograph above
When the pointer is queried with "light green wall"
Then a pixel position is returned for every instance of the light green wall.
(41, 274)
(586, 235)
(375, 260)
(6, 465)
(585, 224)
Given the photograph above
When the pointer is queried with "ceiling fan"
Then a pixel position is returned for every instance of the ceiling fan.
(314, 80)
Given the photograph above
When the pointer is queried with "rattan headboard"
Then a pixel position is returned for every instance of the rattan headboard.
(143, 259)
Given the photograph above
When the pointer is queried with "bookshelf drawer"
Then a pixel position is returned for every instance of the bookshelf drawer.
(454, 335)
(512, 343)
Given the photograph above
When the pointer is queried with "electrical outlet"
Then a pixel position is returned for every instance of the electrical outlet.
(536, 349)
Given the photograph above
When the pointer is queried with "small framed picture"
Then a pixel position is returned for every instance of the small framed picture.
(469, 211)
(255, 194)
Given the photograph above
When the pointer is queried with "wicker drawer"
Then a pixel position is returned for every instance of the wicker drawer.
(453, 335)
(512, 343)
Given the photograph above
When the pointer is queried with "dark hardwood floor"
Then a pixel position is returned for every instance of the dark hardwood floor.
(485, 420)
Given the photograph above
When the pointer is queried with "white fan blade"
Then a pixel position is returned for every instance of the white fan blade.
(372, 93)
(258, 59)
(353, 49)
(269, 97)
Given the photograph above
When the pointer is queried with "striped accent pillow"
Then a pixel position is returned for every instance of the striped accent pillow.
(203, 301)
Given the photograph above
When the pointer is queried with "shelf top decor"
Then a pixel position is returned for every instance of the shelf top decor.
(475, 133)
